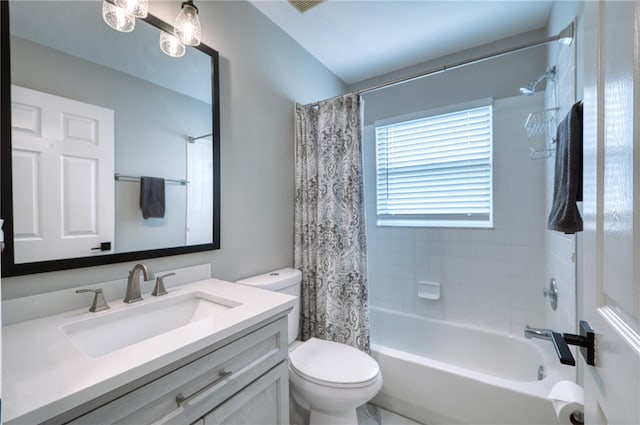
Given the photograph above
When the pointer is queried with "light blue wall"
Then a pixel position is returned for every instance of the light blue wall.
(262, 73)
(497, 78)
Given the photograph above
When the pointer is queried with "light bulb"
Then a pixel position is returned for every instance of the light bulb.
(137, 8)
(171, 46)
(117, 18)
(187, 27)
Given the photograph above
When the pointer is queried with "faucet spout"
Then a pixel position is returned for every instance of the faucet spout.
(530, 332)
(132, 294)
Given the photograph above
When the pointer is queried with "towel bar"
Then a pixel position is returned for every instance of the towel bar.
(123, 177)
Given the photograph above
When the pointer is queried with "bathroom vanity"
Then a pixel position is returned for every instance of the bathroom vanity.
(208, 352)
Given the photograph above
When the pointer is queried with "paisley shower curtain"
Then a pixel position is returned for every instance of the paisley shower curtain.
(330, 242)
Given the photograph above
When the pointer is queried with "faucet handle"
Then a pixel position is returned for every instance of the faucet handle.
(160, 289)
(99, 303)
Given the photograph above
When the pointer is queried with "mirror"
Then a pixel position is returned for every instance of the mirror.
(91, 111)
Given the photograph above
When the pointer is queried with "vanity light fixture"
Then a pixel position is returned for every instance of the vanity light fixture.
(121, 15)
(117, 18)
(171, 46)
(137, 8)
(187, 27)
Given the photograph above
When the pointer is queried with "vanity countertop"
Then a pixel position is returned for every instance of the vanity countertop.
(46, 374)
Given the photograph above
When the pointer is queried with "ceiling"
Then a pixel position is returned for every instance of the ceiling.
(361, 39)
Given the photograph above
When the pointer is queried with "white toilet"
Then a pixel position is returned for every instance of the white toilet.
(327, 378)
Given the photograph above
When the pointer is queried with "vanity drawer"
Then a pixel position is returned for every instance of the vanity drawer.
(186, 394)
(264, 402)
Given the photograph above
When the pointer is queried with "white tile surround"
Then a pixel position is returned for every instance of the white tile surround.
(560, 248)
(561, 257)
(490, 277)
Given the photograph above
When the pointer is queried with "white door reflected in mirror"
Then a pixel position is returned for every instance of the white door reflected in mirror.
(63, 157)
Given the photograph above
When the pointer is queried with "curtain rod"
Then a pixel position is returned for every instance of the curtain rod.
(565, 36)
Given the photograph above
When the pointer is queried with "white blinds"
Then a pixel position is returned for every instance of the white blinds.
(436, 170)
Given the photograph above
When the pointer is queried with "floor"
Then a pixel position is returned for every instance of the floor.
(374, 415)
(368, 414)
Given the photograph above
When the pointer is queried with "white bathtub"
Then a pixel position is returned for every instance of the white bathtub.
(440, 373)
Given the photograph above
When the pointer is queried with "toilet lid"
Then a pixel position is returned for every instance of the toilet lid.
(333, 363)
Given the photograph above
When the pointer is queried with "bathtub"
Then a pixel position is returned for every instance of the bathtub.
(440, 373)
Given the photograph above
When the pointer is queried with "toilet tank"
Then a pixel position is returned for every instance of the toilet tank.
(287, 281)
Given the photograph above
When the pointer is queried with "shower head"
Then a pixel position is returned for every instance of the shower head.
(530, 88)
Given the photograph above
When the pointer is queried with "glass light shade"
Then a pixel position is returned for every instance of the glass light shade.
(117, 18)
(171, 46)
(187, 27)
(137, 8)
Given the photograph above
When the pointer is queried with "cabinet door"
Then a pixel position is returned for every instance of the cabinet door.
(265, 402)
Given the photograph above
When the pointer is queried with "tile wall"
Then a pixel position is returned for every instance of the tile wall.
(561, 259)
(560, 248)
(491, 278)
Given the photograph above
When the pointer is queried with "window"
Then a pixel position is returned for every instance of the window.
(436, 170)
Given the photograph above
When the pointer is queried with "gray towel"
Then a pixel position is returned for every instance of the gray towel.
(152, 197)
(567, 187)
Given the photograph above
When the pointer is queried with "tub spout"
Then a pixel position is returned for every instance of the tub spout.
(530, 332)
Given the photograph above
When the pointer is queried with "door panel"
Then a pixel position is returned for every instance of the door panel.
(79, 197)
(27, 194)
(611, 204)
(26, 118)
(82, 129)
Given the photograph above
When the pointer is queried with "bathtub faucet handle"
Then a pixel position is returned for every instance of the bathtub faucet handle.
(561, 342)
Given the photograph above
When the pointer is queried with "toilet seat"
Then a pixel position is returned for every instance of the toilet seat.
(333, 364)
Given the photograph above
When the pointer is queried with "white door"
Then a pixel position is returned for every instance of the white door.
(612, 210)
(63, 176)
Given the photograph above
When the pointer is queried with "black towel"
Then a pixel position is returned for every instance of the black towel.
(152, 197)
(567, 187)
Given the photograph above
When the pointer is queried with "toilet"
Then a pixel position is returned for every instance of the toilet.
(327, 378)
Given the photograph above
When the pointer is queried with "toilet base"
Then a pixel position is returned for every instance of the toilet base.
(300, 413)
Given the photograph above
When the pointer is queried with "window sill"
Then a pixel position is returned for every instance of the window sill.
(458, 224)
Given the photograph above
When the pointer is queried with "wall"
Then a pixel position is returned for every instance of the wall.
(563, 258)
(262, 73)
(497, 78)
(489, 277)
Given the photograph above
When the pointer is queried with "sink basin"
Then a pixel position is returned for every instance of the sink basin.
(114, 330)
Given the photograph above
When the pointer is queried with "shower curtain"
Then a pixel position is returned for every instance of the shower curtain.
(330, 242)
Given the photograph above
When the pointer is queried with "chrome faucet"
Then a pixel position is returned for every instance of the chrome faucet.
(133, 283)
(530, 332)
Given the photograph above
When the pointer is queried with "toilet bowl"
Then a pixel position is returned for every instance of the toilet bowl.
(332, 379)
(327, 378)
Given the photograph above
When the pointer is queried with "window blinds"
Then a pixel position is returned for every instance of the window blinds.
(436, 170)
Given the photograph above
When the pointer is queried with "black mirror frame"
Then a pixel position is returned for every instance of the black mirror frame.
(9, 267)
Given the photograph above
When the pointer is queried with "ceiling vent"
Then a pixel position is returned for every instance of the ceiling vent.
(304, 5)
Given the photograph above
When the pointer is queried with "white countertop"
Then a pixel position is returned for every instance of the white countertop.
(45, 374)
